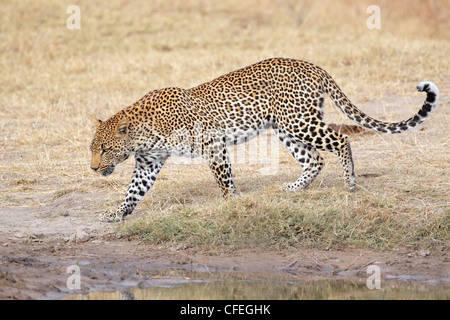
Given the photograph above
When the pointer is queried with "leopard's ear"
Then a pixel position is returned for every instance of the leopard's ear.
(96, 121)
(122, 128)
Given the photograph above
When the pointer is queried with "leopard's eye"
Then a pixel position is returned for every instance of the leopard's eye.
(103, 149)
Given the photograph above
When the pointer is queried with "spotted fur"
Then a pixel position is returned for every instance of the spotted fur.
(285, 94)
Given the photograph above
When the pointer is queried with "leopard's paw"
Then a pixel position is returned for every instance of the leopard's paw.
(111, 216)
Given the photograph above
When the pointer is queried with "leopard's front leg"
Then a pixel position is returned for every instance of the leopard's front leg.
(216, 154)
(144, 176)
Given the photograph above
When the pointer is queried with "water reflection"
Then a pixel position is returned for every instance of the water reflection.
(274, 290)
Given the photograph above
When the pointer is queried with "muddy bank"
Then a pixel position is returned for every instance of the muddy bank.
(36, 267)
(39, 243)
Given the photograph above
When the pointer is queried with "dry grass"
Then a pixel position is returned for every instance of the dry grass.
(53, 79)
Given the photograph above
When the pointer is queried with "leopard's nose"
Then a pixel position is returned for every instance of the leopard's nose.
(95, 169)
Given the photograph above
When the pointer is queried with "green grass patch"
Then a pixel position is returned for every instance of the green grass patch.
(275, 220)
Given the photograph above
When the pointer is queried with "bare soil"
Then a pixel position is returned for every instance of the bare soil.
(37, 246)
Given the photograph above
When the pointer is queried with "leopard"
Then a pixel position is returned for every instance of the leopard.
(284, 94)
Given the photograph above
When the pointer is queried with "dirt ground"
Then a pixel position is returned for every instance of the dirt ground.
(37, 248)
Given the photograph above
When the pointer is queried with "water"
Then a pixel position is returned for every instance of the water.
(234, 289)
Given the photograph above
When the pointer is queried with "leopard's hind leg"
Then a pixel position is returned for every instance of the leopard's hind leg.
(309, 159)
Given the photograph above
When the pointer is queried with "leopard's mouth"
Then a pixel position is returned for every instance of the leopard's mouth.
(107, 171)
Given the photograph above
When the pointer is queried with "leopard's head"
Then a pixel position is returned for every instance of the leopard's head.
(110, 145)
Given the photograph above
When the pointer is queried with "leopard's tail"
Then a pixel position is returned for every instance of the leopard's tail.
(352, 112)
